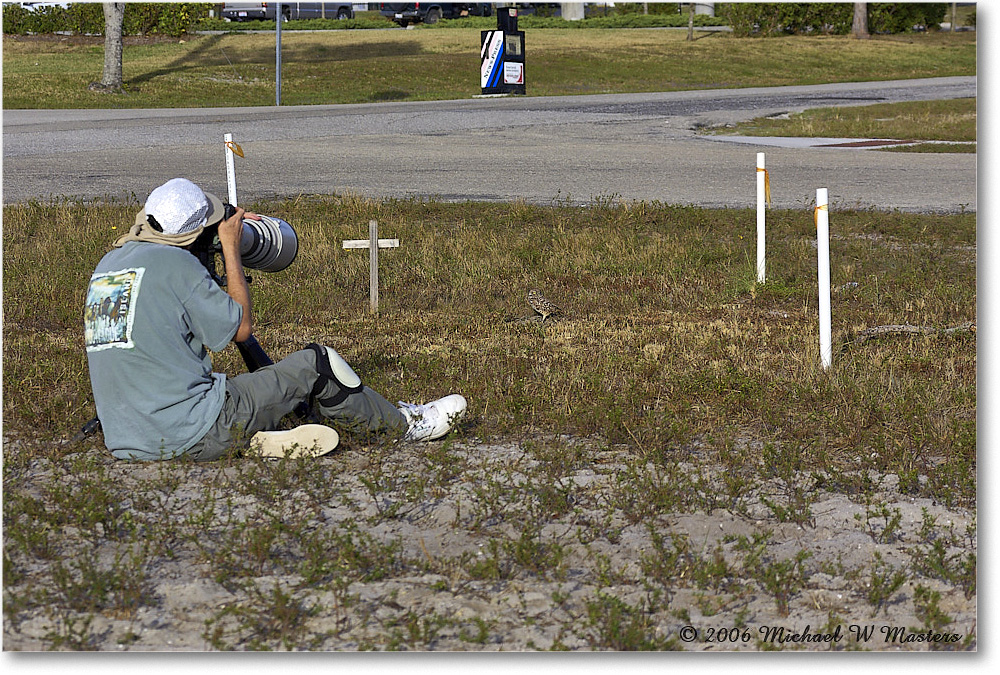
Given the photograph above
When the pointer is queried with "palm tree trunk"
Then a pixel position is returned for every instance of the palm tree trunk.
(114, 19)
(860, 26)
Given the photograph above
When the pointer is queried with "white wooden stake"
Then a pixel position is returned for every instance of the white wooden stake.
(373, 244)
(231, 167)
(761, 199)
(373, 265)
(823, 248)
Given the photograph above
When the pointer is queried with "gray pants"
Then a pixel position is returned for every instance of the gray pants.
(258, 401)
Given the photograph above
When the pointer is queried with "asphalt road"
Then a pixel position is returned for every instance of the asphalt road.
(568, 149)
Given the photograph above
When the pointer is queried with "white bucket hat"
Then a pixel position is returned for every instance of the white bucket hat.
(179, 207)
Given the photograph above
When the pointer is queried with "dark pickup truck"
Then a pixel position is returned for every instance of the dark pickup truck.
(405, 13)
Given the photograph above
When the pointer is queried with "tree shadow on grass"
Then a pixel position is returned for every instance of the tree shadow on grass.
(209, 52)
(195, 58)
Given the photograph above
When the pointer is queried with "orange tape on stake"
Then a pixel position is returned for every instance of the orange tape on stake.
(235, 147)
(816, 213)
(767, 185)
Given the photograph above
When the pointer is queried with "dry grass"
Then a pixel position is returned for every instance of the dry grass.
(953, 120)
(668, 336)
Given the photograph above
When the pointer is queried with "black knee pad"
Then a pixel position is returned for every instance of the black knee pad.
(341, 375)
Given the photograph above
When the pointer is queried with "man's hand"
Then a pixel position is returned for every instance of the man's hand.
(230, 233)
(231, 230)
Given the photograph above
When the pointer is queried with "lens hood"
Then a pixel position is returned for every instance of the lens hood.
(269, 244)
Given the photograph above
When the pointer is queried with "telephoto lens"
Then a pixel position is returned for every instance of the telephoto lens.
(269, 244)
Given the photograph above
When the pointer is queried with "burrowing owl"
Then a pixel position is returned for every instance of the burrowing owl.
(542, 305)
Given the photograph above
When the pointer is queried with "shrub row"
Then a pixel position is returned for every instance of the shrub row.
(762, 18)
(781, 18)
(87, 18)
(628, 20)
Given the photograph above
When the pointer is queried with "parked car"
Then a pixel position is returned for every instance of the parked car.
(250, 11)
(405, 13)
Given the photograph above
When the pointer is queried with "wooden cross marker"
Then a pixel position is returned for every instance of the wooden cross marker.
(373, 244)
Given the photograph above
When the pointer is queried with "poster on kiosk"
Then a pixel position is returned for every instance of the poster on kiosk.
(502, 55)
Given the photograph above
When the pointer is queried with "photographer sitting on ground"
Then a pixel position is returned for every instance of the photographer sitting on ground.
(153, 313)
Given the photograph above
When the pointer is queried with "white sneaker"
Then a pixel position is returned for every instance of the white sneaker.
(432, 420)
(307, 440)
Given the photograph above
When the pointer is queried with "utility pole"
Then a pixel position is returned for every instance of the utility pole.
(277, 54)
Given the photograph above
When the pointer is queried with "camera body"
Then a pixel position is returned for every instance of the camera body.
(269, 244)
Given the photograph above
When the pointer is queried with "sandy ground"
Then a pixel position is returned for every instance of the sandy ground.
(541, 544)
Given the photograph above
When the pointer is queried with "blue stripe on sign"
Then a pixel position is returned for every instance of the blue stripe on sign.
(497, 68)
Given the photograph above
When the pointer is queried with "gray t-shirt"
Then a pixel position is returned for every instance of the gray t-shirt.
(152, 315)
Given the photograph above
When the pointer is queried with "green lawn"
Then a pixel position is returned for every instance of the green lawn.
(366, 66)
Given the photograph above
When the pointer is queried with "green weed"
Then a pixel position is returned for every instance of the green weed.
(926, 602)
(619, 626)
(886, 531)
(884, 582)
(941, 555)
(271, 619)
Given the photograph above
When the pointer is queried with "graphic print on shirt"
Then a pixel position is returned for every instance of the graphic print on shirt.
(110, 309)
